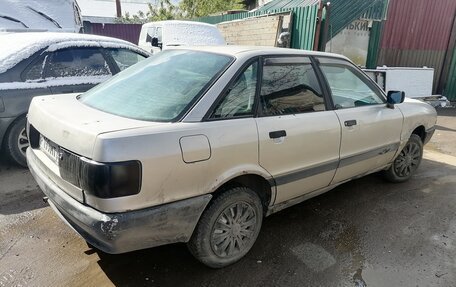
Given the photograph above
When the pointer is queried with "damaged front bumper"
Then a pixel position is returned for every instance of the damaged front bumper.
(126, 231)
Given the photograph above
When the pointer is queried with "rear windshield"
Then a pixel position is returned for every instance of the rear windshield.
(160, 88)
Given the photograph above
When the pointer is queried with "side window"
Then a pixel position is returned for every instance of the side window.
(35, 72)
(125, 58)
(240, 98)
(79, 62)
(348, 87)
(290, 86)
(159, 34)
(150, 34)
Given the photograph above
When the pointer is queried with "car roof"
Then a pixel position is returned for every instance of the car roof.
(24, 45)
(234, 50)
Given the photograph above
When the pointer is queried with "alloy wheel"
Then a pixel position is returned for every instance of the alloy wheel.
(22, 141)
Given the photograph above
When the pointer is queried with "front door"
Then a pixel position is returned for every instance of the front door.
(298, 137)
(370, 131)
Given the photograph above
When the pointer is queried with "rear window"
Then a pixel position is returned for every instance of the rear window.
(160, 88)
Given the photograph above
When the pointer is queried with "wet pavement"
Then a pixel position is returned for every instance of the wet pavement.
(364, 233)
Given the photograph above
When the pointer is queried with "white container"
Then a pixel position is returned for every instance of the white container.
(415, 82)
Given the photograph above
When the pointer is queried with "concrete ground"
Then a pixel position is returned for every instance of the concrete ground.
(364, 233)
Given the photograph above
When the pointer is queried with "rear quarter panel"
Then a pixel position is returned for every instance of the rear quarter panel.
(166, 177)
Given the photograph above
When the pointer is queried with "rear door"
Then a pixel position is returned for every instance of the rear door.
(298, 136)
(370, 131)
(76, 69)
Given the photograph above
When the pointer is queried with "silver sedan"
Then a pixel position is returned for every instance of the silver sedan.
(199, 144)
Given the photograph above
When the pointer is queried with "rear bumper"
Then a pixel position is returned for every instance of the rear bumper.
(127, 231)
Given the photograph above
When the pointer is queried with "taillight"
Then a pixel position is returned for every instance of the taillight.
(107, 180)
(103, 180)
(33, 136)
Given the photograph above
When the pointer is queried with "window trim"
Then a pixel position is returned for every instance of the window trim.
(207, 117)
(24, 72)
(328, 105)
(358, 72)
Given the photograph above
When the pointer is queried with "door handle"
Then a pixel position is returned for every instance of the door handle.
(277, 134)
(350, 123)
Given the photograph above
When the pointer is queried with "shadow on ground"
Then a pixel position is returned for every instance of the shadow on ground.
(365, 232)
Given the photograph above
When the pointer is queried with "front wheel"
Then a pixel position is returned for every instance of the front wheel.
(407, 162)
(228, 228)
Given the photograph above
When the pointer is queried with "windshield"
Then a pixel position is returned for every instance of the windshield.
(160, 88)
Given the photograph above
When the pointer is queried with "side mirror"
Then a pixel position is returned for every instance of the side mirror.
(154, 42)
(394, 97)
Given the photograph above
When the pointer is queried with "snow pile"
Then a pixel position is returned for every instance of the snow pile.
(191, 34)
(86, 43)
(33, 13)
(23, 45)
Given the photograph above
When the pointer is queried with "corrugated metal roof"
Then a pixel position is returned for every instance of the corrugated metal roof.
(344, 12)
(377, 12)
(286, 4)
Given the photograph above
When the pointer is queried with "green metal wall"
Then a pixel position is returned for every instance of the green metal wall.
(303, 28)
(450, 88)
(374, 44)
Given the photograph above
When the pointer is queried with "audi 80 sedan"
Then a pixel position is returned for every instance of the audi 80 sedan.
(197, 145)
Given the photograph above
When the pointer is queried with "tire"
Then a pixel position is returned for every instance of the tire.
(16, 142)
(407, 162)
(228, 228)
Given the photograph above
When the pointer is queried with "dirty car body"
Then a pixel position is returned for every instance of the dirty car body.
(191, 141)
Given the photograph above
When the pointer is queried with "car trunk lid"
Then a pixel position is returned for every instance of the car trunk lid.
(74, 126)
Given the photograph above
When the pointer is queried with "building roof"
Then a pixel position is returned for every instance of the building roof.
(286, 4)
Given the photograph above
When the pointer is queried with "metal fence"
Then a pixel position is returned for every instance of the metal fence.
(450, 88)
(127, 32)
(303, 27)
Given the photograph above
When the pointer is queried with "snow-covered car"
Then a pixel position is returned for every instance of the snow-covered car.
(197, 145)
(38, 15)
(162, 35)
(44, 63)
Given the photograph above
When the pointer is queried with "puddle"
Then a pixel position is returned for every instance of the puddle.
(314, 256)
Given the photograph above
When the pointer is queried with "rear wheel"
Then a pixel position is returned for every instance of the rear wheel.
(407, 162)
(228, 228)
(17, 142)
